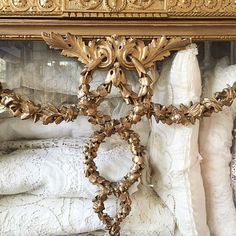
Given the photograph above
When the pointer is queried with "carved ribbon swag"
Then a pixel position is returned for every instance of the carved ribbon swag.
(115, 53)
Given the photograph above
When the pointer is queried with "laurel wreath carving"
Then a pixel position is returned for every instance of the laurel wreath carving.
(115, 53)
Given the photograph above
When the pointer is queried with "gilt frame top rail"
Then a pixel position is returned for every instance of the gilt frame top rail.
(118, 8)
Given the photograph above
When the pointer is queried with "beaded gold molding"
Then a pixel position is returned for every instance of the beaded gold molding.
(118, 8)
(115, 53)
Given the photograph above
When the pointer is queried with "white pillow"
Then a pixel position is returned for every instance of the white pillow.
(175, 160)
(215, 141)
(17, 129)
(54, 168)
(26, 214)
(20, 215)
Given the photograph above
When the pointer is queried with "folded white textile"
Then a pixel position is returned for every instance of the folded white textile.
(25, 214)
(175, 160)
(17, 129)
(215, 141)
(56, 78)
(28, 215)
(54, 168)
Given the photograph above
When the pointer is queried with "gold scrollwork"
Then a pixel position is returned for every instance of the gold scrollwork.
(1, 5)
(212, 5)
(115, 6)
(111, 5)
(89, 4)
(25, 7)
(181, 5)
(46, 4)
(119, 8)
(140, 4)
(19, 5)
(202, 8)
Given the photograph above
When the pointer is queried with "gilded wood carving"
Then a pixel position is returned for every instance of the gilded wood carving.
(114, 54)
(118, 8)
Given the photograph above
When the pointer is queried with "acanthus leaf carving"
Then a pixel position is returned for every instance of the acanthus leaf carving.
(111, 49)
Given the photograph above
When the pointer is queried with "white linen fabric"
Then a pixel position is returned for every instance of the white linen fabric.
(56, 170)
(16, 129)
(56, 78)
(175, 159)
(149, 215)
(25, 214)
(215, 140)
(28, 215)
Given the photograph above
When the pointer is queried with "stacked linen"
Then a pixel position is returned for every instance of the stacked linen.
(175, 160)
(215, 142)
(42, 185)
(56, 170)
(29, 215)
(43, 189)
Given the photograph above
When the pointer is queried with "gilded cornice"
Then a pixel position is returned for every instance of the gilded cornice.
(118, 8)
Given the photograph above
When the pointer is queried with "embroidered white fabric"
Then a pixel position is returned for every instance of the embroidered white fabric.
(175, 159)
(56, 170)
(215, 140)
(28, 215)
(25, 214)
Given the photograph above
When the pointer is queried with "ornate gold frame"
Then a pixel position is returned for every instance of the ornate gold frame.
(21, 29)
(118, 8)
(196, 19)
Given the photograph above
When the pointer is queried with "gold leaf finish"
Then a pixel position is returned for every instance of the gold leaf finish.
(189, 114)
(28, 109)
(128, 52)
(118, 8)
